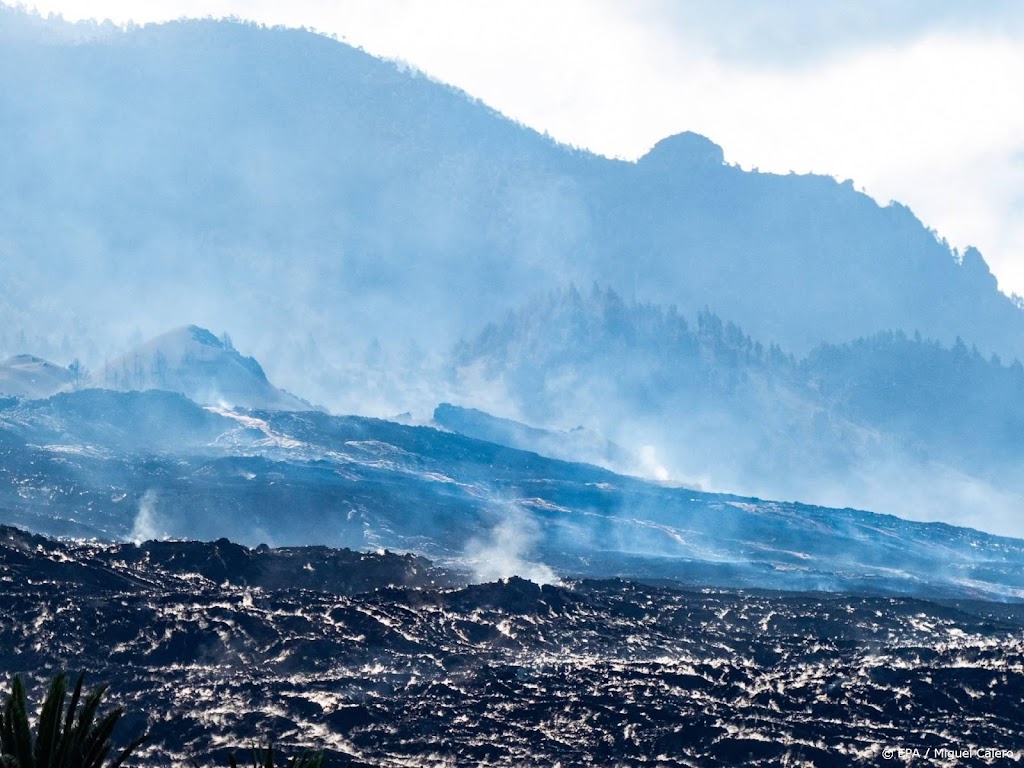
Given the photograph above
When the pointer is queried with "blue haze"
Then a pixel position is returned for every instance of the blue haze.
(350, 222)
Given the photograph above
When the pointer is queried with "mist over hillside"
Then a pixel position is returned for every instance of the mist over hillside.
(197, 364)
(888, 422)
(262, 288)
(137, 466)
(333, 210)
(32, 377)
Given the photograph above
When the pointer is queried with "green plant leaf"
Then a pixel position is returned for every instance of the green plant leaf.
(18, 742)
(68, 740)
(48, 731)
(76, 737)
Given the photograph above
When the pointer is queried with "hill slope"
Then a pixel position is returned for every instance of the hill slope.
(218, 172)
(204, 368)
(145, 465)
(31, 377)
(889, 423)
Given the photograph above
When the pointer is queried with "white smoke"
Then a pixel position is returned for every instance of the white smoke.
(650, 466)
(503, 553)
(146, 527)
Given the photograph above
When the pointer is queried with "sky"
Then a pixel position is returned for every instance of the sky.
(914, 100)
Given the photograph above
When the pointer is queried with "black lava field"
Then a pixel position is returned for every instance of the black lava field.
(385, 660)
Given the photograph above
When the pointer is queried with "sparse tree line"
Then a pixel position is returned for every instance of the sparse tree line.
(74, 733)
(950, 398)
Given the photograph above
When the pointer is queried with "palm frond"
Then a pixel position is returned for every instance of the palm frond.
(75, 737)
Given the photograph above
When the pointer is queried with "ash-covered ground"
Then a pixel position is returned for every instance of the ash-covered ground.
(384, 660)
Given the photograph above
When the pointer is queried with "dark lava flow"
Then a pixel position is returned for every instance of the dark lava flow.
(385, 660)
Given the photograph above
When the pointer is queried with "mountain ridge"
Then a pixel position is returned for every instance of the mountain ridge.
(331, 189)
(201, 366)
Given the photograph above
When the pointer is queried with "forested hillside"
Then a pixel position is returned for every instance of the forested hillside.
(317, 201)
(886, 422)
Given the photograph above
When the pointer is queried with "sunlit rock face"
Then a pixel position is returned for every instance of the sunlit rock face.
(32, 377)
(385, 659)
(205, 368)
(683, 153)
